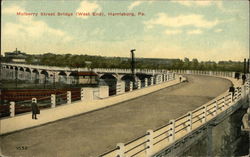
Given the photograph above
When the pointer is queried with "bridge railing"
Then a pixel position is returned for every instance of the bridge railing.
(106, 70)
(74, 95)
(156, 140)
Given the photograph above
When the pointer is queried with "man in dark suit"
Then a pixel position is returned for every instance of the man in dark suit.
(35, 109)
(232, 90)
(243, 79)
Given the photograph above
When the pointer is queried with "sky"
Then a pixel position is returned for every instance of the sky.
(206, 30)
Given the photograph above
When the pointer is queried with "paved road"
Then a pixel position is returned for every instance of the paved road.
(96, 132)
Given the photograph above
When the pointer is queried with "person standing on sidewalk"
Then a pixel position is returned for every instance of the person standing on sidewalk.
(243, 79)
(35, 109)
(180, 78)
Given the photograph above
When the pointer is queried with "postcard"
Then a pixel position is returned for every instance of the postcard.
(127, 78)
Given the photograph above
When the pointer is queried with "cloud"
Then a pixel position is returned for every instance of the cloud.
(197, 31)
(218, 30)
(137, 3)
(204, 3)
(97, 32)
(26, 27)
(86, 7)
(194, 20)
(12, 10)
(229, 50)
(134, 4)
(172, 32)
(194, 3)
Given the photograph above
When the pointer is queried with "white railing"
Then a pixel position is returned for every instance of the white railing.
(156, 140)
(98, 70)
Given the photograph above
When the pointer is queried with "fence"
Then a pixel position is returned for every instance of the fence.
(156, 140)
(53, 98)
(44, 100)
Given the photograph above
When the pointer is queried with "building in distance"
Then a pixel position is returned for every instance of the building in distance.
(16, 56)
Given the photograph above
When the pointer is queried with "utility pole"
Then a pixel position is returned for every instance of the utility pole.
(245, 66)
(1, 79)
(54, 80)
(16, 73)
(133, 63)
(248, 66)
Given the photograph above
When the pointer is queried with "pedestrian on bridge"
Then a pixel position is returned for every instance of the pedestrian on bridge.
(35, 109)
(237, 75)
(243, 79)
(180, 78)
(232, 90)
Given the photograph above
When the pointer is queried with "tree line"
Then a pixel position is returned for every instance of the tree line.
(81, 61)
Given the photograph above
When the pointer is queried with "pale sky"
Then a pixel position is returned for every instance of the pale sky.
(207, 30)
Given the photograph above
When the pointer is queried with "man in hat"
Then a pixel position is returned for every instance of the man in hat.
(35, 109)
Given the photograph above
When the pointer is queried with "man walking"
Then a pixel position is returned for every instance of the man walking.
(232, 90)
(35, 109)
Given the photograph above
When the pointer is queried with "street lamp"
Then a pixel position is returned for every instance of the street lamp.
(133, 62)
(133, 66)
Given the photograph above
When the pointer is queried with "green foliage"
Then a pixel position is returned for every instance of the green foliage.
(80, 61)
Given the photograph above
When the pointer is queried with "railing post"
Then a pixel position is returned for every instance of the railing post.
(166, 79)
(68, 97)
(216, 108)
(130, 86)
(204, 119)
(82, 94)
(139, 84)
(231, 97)
(88, 94)
(12, 109)
(103, 91)
(190, 118)
(172, 130)
(53, 100)
(210, 73)
(152, 81)
(224, 103)
(120, 87)
(121, 150)
(149, 143)
(146, 82)
(243, 91)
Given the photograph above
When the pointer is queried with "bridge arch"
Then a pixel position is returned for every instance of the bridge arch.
(35, 75)
(62, 77)
(110, 80)
(27, 74)
(43, 76)
(21, 73)
(143, 77)
(73, 77)
(127, 79)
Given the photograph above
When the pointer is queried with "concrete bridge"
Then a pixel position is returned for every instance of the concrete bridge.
(41, 73)
(192, 106)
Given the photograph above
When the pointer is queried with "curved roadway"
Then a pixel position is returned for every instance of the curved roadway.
(94, 133)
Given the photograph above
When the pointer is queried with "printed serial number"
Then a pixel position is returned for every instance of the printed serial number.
(22, 148)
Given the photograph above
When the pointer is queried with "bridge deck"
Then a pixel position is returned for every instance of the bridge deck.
(96, 132)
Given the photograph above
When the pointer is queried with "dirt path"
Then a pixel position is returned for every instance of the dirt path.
(94, 133)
